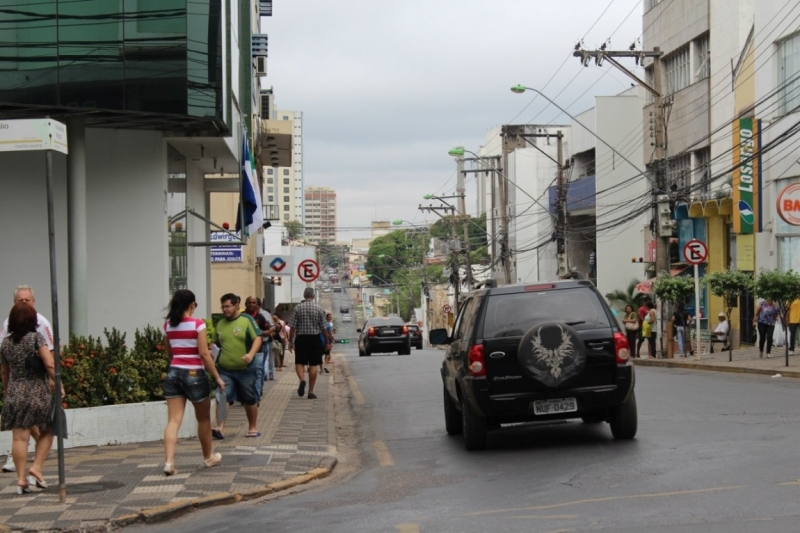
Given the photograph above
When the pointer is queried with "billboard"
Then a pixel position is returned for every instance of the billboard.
(746, 181)
(225, 254)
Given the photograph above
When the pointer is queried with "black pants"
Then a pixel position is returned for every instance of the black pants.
(633, 336)
(792, 334)
(651, 344)
(765, 332)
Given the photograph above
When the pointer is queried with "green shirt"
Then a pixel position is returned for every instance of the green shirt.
(235, 338)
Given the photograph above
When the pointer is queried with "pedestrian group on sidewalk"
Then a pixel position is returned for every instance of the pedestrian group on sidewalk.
(247, 349)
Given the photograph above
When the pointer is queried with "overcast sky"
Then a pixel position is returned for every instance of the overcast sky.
(388, 87)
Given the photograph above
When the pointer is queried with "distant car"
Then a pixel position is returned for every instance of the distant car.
(344, 309)
(346, 318)
(326, 289)
(416, 335)
(337, 288)
(384, 334)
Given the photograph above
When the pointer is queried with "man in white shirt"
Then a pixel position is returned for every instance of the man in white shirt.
(24, 294)
(721, 332)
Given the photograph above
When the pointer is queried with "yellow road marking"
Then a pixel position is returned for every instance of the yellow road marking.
(607, 499)
(787, 483)
(546, 516)
(407, 528)
(384, 457)
(356, 393)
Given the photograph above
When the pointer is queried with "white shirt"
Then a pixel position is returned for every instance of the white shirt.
(42, 326)
(722, 329)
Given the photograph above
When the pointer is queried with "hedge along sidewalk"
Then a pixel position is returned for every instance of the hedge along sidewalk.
(118, 485)
(745, 361)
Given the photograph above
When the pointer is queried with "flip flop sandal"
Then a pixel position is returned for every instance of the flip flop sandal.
(252, 434)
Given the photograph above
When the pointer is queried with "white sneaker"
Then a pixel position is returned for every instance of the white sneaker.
(791, 352)
(9, 466)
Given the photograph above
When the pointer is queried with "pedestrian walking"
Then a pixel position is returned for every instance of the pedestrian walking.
(187, 377)
(305, 326)
(28, 374)
(253, 308)
(631, 322)
(642, 311)
(278, 342)
(794, 322)
(593, 264)
(24, 294)
(767, 313)
(239, 340)
(327, 342)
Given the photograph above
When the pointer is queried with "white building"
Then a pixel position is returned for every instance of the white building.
(603, 187)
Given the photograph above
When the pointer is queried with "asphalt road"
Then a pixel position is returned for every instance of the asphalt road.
(714, 453)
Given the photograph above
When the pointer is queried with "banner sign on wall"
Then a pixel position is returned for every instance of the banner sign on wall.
(225, 254)
(746, 173)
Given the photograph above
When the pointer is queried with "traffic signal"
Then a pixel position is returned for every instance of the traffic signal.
(276, 280)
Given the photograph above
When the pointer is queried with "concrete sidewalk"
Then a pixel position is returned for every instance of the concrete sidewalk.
(125, 484)
(745, 361)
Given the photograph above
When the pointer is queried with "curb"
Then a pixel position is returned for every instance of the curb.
(175, 509)
(666, 363)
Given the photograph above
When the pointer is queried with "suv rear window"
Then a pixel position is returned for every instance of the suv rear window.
(511, 315)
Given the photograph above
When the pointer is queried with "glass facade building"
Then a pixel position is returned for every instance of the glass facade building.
(161, 57)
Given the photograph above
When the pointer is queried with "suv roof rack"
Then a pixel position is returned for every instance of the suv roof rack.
(572, 274)
(487, 284)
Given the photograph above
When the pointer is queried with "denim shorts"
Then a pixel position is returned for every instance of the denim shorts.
(241, 385)
(185, 383)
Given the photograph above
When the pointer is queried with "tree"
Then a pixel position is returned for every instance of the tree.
(729, 284)
(294, 229)
(630, 296)
(676, 290)
(782, 288)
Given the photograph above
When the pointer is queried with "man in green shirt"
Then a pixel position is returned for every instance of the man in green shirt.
(239, 339)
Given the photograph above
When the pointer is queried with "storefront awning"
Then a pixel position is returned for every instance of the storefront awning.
(677, 270)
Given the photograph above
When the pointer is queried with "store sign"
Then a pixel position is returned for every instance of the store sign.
(746, 253)
(32, 134)
(746, 182)
(788, 204)
(225, 254)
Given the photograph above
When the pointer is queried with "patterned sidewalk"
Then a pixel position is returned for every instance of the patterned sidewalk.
(105, 483)
(746, 360)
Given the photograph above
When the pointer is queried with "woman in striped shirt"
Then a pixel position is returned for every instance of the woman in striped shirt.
(187, 347)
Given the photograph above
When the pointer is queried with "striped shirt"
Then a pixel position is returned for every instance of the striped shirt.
(183, 343)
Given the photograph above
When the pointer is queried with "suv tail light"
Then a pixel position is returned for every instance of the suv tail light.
(371, 332)
(476, 363)
(405, 330)
(621, 349)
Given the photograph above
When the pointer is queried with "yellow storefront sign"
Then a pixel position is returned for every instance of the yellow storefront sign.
(746, 252)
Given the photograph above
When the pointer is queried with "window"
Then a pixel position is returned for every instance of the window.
(702, 60)
(270, 198)
(676, 67)
(285, 171)
(789, 74)
(269, 171)
(650, 4)
(702, 172)
(286, 199)
(286, 217)
(269, 189)
(269, 180)
(286, 181)
(285, 117)
(286, 190)
(286, 207)
(678, 171)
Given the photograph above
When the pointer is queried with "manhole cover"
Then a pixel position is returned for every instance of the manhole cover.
(87, 488)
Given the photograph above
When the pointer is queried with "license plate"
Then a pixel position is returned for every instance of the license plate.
(389, 331)
(552, 407)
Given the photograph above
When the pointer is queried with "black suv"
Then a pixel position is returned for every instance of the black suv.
(545, 351)
(384, 334)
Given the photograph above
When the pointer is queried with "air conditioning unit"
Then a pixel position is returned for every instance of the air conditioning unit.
(261, 66)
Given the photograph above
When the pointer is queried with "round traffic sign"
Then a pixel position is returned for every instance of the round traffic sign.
(446, 308)
(695, 252)
(308, 270)
(419, 323)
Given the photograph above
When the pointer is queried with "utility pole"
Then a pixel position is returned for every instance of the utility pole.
(658, 132)
(461, 191)
(454, 266)
(510, 142)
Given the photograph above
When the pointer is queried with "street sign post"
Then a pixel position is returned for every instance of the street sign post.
(696, 252)
(308, 270)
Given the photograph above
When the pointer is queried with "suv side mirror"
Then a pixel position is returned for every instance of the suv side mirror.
(439, 336)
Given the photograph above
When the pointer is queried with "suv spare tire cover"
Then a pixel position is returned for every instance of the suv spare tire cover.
(551, 353)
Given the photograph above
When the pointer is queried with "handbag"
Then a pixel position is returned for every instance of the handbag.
(631, 326)
(34, 363)
(64, 429)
